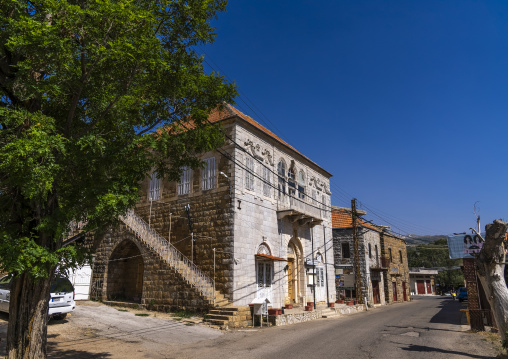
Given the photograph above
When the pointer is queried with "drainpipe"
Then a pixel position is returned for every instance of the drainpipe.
(313, 264)
(326, 268)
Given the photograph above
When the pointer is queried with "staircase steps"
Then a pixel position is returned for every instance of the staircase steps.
(329, 313)
(175, 259)
(229, 317)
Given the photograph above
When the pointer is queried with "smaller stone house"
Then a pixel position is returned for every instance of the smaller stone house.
(394, 252)
(372, 265)
(422, 281)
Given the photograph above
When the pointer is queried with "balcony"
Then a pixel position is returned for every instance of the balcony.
(382, 263)
(297, 209)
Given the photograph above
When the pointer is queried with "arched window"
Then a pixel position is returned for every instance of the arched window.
(301, 185)
(264, 249)
(281, 171)
(291, 182)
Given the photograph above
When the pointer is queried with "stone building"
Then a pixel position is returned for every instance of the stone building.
(261, 228)
(372, 264)
(393, 250)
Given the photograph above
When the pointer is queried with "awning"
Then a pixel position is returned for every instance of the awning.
(267, 256)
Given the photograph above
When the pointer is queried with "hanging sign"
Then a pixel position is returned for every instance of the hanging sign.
(464, 245)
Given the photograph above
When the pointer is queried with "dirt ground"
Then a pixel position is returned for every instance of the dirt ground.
(95, 330)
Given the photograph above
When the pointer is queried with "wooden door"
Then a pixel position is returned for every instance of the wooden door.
(291, 280)
(429, 287)
(394, 290)
(375, 292)
(404, 294)
(420, 287)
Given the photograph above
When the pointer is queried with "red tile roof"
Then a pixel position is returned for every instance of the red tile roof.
(344, 219)
(229, 111)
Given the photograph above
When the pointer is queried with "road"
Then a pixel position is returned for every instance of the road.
(427, 327)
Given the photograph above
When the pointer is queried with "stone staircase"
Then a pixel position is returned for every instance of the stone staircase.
(229, 317)
(172, 256)
(328, 312)
(224, 314)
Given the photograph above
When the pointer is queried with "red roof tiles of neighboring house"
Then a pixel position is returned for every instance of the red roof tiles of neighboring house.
(344, 219)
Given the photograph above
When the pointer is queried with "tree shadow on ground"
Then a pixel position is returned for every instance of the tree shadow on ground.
(55, 352)
(449, 313)
(426, 349)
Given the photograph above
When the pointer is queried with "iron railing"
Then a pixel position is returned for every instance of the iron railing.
(170, 255)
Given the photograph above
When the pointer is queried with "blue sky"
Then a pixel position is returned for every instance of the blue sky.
(404, 102)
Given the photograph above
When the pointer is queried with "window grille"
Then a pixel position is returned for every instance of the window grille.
(155, 187)
(267, 183)
(249, 173)
(208, 174)
(345, 250)
(291, 182)
(281, 171)
(184, 184)
(301, 185)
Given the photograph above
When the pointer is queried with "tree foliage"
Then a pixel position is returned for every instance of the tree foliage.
(434, 255)
(94, 95)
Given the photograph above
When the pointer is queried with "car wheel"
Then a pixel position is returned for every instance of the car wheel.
(59, 316)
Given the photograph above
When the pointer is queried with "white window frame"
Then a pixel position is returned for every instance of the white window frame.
(208, 175)
(154, 193)
(267, 184)
(249, 173)
(185, 181)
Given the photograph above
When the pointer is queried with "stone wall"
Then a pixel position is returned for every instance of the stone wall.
(211, 213)
(345, 235)
(398, 271)
(161, 287)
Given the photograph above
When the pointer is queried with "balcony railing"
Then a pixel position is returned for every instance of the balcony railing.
(381, 263)
(291, 203)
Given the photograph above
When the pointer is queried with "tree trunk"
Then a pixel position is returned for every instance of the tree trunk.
(28, 316)
(491, 264)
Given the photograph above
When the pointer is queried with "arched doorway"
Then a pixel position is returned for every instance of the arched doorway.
(294, 275)
(125, 273)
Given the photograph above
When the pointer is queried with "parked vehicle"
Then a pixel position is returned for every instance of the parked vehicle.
(462, 294)
(61, 299)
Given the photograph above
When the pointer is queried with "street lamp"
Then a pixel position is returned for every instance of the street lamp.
(229, 183)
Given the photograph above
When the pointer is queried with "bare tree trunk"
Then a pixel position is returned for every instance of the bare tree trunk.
(491, 264)
(28, 316)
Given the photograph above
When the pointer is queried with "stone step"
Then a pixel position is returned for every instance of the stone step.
(217, 317)
(219, 322)
(230, 313)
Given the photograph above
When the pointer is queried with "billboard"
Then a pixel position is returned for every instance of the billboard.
(464, 245)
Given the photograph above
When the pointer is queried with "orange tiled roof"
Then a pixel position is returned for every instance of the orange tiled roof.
(343, 219)
(229, 111)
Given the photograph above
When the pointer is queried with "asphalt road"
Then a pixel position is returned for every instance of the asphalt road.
(427, 327)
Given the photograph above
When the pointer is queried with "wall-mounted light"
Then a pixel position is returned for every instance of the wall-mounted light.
(286, 268)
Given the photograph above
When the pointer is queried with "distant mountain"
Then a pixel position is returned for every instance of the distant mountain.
(417, 240)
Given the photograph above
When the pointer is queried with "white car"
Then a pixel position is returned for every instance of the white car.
(61, 299)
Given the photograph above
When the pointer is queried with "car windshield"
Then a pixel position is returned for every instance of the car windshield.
(61, 285)
(5, 282)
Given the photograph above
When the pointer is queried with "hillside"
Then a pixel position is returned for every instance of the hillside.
(414, 239)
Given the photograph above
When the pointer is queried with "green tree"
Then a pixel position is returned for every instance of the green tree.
(94, 95)
(436, 254)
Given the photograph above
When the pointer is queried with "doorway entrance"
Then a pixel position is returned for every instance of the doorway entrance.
(125, 273)
(375, 292)
(394, 290)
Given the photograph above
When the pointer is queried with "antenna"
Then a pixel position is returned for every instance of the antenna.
(476, 211)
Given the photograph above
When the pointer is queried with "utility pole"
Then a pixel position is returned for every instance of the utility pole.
(313, 264)
(326, 268)
(358, 274)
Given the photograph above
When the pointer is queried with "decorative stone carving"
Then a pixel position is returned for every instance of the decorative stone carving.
(320, 186)
(254, 149)
(268, 156)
